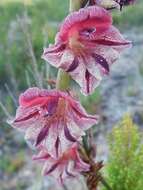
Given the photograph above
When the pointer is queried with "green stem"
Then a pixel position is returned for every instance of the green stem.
(63, 78)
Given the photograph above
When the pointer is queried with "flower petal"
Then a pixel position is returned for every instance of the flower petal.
(90, 17)
(100, 60)
(74, 65)
(42, 155)
(25, 118)
(82, 119)
(110, 37)
(53, 54)
(41, 136)
(51, 140)
(68, 135)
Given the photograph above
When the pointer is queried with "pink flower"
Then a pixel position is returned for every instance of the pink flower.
(85, 47)
(52, 119)
(69, 165)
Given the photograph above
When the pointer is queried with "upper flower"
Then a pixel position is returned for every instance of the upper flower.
(68, 165)
(52, 119)
(86, 45)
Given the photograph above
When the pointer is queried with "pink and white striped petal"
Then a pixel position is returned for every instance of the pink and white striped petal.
(69, 165)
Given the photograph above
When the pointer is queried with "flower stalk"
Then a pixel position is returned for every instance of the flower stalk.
(63, 80)
(93, 177)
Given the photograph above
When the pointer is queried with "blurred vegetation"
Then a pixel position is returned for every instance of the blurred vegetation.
(130, 17)
(90, 102)
(124, 170)
(12, 47)
(10, 165)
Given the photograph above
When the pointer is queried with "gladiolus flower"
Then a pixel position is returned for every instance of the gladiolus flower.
(69, 165)
(85, 47)
(52, 119)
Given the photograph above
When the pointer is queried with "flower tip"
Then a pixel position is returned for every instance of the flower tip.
(128, 43)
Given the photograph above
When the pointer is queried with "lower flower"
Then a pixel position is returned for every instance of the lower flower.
(69, 165)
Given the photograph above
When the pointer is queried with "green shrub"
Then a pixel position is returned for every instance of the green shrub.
(124, 170)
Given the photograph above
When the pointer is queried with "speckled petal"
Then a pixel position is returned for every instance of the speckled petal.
(53, 54)
(82, 119)
(69, 165)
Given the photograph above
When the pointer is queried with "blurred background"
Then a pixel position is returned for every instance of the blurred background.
(25, 28)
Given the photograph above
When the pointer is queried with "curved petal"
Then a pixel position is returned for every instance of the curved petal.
(90, 17)
(89, 83)
(109, 37)
(50, 141)
(80, 165)
(65, 143)
(67, 59)
(41, 156)
(78, 74)
(108, 53)
(53, 54)
(37, 97)
(52, 167)
(82, 119)
(25, 118)
(93, 67)
(31, 97)
(75, 131)
(31, 135)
